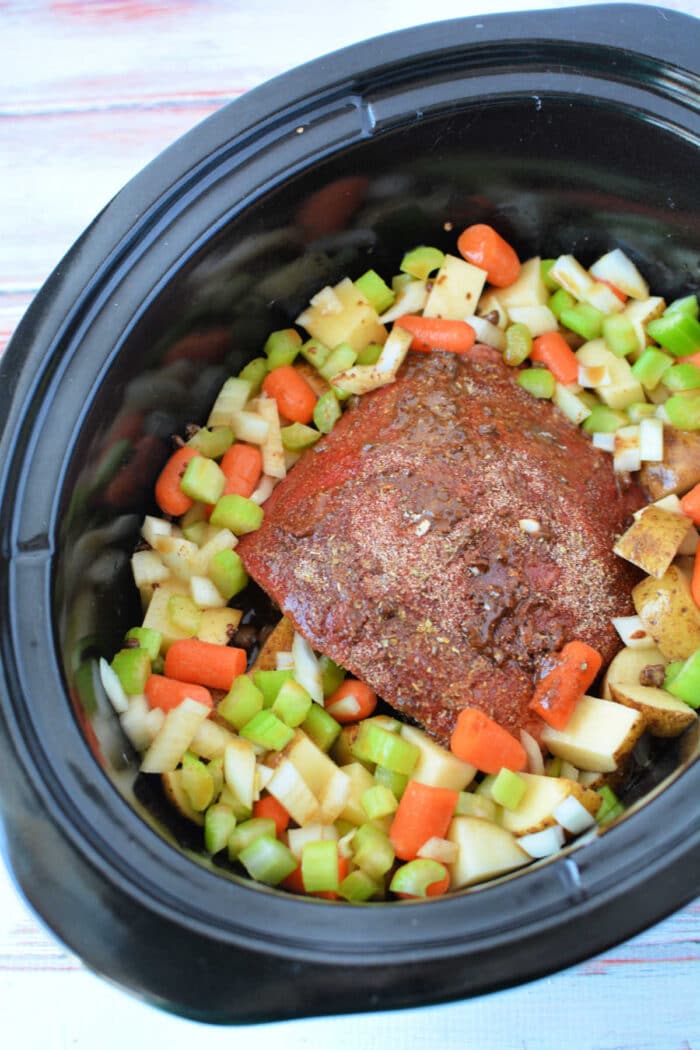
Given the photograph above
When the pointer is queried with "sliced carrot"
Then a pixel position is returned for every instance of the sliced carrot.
(169, 496)
(690, 504)
(551, 349)
(424, 812)
(483, 743)
(558, 692)
(364, 694)
(695, 582)
(622, 296)
(242, 467)
(435, 889)
(295, 398)
(482, 246)
(208, 664)
(168, 693)
(269, 807)
(437, 333)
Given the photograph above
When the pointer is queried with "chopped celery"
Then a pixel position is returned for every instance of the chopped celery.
(254, 373)
(485, 786)
(296, 437)
(687, 305)
(553, 767)
(604, 420)
(341, 358)
(227, 573)
(370, 354)
(378, 801)
(292, 703)
(685, 683)
(375, 290)
(678, 332)
(545, 266)
(268, 731)
(238, 514)
(212, 443)
(416, 877)
(197, 782)
(375, 744)
(321, 727)
(650, 367)
(372, 850)
(610, 803)
(422, 261)
(241, 703)
(196, 532)
(358, 886)
(269, 683)
(314, 352)
(203, 480)
(132, 667)
(561, 300)
(219, 825)
(268, 860)
(469, 804)
(537, 381)
(246, 833)
(619, 335)
(583, 319)
(331, 675)
(639, 410)
(518, 344)
(508, 789)
(682, 377)
(184, 614)
(611, 814)
(672, 670)
(319, 866)
(147, 638)
(327, 411)
(396, 782)
(684, 411)
(281, 348)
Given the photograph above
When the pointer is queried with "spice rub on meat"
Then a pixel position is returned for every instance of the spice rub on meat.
(448, 534)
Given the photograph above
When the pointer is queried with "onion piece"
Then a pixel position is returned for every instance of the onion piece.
(250, 427)
(113, 688)
(488, 333)
(543, 843)
(535, 762)
(284, 661)
(572, 816)
(347, 707)
(626, 457)
(135, 723)
(175, 736)
(633, 632)
(297, 838)
(307, 669)
(651, 440)
(264, 489)
(606, 442)
(205, 594)
(410, 300)
(442, 850)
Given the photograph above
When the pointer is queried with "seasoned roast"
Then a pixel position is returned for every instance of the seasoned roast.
(446, 536)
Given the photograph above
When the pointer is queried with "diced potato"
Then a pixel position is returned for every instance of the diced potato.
(456, 290)
(663, 714)
(177, 796)
(568, 401)
(205, 594)
(627, 666)
(538, 319)
(147, 568)
(652, 541)
(437, 766)
(485, 851)
(491, 304)
(317, 769)
(619, 269)
(280, 641)
(667, 610)
(210, 740)
(528, 290)
(639, 312)
(542, 796)
(632, 632)
(230, 400)
(334, 797)
(157, 612)
(569, 273)
(623, 388)
(178, 554)
(289, 787)
(599, 734)
(488, 333)
(250, 427)
(218, 625)
(680, 468)
(153, 527)
(357, 323)
(603, 298)
(593, 779)
(360, 780)
(219, 540)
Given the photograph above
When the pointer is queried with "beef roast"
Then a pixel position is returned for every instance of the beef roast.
(449, 533)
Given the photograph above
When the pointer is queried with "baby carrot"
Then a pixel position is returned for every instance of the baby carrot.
(424, 812)
(169, 496)
(482, 246)
(551, 349)
(690, 504)
(557, 694)
(268, 806)
(242, 467)
(483, 743)
(295, 398)
(168, 693)
(209, 664)
(364, 695)
(437, 333)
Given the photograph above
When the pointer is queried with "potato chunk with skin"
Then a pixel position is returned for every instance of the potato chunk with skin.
(351, 319)
(680, 467)
(627, 666)
(663, 714)
(598, 736)
(436, 765)
(485, 851)
(652, 541)
(668, 612)
(542, 796)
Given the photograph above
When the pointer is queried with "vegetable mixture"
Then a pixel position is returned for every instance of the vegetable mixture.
(294, 769)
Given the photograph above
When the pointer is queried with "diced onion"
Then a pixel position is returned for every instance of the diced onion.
(307, 669)
(535, 762)
(205, 594)
(154, 527)
(135, 725)
(250, 427)
(543, 843)
(326, 301)
(606, 442)
(572, 816)
(113, 688)
(410, 300)
(284, 661)
(633, 632)
(651, 440)
(591, 376)
(297, 838)
(626, 457)
(346, 707)
(264, 489)
(488, 333)
(147, 568)
(569, 771)
(619, 269)
(174, 737)
(442, 850)
(273, 455)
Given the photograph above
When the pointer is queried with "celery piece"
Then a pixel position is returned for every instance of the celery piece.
(545, 266)
(537, 381)
(227, 573)
(327, 411)
(687, 305)
(553, 767)
(147, 638)
(561, 300)
(485, 786)
(319, 866)
(682, 377)
(416, 877)
(219, 825)
(342, 356)
(196, 532)
(268, 860)
(241, 703)
(268, 731)
(372, 850)
(422, 261)
(470, 804)
(375, 290)
(321, 727)
(609, 802)
(619, 335)
(583, 319)
(685, 683)
(296, 437)
(611, 814)
(588, 397)
(341, 395)
(196, 515)
(358, 886)
(672, 670)
(203, 480)
(377, 745)
(132, 667)
(604, 420)
(314, 352)
(639, 410)
(184, 614)
(254, 373)
(281, 348)
(678, 332)
(197, 782)
(518, 343)
(396, 782)
(269, 683)
(650, 367)
(508, 789)
(292, 703)
(332, 675)
(370, 354)
(212, 443)
(684, 411)
(247, 832)
(378, 801)
(238, 514)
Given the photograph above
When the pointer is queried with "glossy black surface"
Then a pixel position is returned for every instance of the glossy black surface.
(573, 131)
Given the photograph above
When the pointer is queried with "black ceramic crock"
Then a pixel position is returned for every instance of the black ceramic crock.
(571, 131)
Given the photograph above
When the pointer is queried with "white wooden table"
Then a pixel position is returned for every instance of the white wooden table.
(89, 93)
